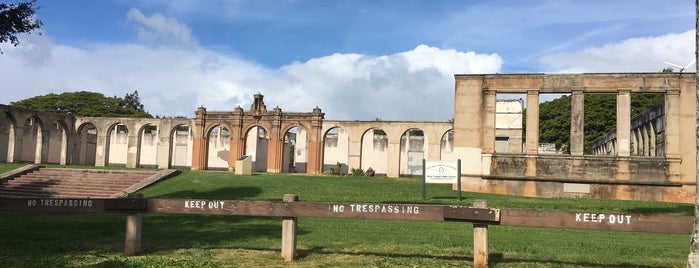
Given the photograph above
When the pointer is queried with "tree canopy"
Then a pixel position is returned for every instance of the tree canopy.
(600, 117)
(85, 103)
(16, 18)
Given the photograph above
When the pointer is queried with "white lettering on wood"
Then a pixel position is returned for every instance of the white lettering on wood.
(376, 208)
(601, 217)
(203, 204)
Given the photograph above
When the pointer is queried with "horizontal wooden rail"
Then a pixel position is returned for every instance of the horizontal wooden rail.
(290, 209)
(374, 211)
(597, 221)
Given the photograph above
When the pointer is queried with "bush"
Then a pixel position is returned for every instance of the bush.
(357, 172)
(335, 171)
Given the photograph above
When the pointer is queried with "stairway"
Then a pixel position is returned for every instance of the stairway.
(77, 183)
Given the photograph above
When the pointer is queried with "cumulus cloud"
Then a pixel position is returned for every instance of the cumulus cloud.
(643, 54)
(160, 30)
(173, 80)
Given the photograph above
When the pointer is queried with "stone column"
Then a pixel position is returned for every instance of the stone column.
(38, 150)
(101, 147)
(577, 123)
(489, 122)
(200, 141)
(532, 131)
(14, 146)
(393, 166)
(623, 123)
(355, 150)
(468, 123)
(672, 121)
(132, 146)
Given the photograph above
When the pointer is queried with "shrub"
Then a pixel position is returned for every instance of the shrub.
(335, 171)
(357, 172)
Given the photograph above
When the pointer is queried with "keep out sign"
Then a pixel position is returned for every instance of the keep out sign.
(603, 218)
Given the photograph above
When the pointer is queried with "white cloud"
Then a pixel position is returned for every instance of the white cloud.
(646, 54)
(172, 81)
(160, 30)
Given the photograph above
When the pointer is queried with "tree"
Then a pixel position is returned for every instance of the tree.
(132, 101)
(85, 103)
(599, 117)
(17, 18)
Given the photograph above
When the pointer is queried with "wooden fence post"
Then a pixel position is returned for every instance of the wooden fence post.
(289, 232)
(480, 239)
(132, 244)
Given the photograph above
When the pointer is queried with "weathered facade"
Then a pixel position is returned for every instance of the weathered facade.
(486, 134)
(667, 177)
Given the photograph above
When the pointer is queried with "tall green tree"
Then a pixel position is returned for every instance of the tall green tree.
(84, 103)
(16, 18)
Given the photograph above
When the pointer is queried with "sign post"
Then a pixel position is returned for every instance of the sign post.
(445, 172)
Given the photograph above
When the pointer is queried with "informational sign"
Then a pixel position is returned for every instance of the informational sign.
(441, 172)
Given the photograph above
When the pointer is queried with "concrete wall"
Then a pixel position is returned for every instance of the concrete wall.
(623, 175)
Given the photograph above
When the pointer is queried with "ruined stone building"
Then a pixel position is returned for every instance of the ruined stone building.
(487, 134)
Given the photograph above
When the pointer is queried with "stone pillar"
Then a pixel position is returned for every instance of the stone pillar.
(165, 139)
(672, 123)
(200, 141)
(14, 146)
(532, 131)
(393, 166)
(623, 123)
(101, 148)
(489, 122)
(315, 144)
(315, 157)
(132, 146)
(38, 150)
(577, 123)
(468, 122)
(355, 150)
(274, 154)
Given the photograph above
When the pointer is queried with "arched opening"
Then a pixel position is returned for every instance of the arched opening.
(181, 147)
(295, 154)
(32, 141)
(148, 146)
(85, 145)
(412, 152)
(117, 145)
(375, 151)
(56, 143)
(256, 144)
(446, 146)
(219, 148)
(336, 150)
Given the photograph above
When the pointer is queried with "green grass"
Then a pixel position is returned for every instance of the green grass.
(96, 240)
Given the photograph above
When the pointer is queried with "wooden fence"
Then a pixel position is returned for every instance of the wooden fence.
(289, 209)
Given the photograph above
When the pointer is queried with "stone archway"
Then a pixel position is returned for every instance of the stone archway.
(413, 145)
(86, 147)
(117, 145)
(274, 122)
(256, 146)
(375, 150)
(180, 147)
(336, 149)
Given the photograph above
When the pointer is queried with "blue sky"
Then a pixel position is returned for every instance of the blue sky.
(362, 60)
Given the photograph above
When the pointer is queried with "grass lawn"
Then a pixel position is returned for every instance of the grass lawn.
(96, 240)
